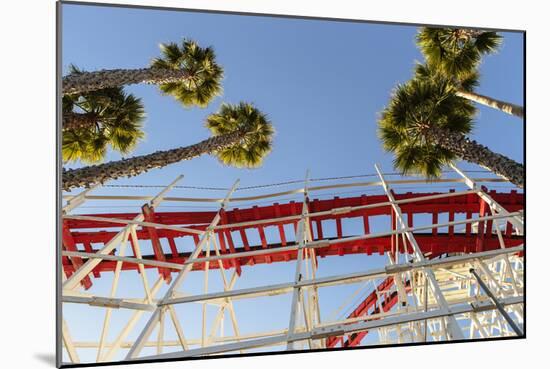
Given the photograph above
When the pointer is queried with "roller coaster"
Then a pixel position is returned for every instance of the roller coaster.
(446, 266)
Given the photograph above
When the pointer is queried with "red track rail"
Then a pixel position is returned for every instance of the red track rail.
(90, 236)
(389, 299)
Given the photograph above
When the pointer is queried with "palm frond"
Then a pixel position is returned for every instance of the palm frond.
(428, 100)
(456, 52)
(257, 134)
(488, 42)
(203, 83)
(119, 124)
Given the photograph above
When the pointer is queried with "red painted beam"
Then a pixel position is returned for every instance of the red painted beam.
(227, 235)
(362, 308)
(438, 245)
(199, 220)
(355, 338)
(371, 301)
(94, 232)
(149, 215)
(69, 244)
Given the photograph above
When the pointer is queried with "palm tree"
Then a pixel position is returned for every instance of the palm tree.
(189, 73)
(456, 53)
(98, 119)
(241, 137)
(426, 127)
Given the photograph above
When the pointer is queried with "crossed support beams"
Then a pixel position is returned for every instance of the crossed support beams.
(339, 329)
(304, 298)
(516, 220)
(318, 244)
(399, 307)
(71, 284)
(344, 278)
(122, 236)
(453, 330)
(155, 319)
(360, 324)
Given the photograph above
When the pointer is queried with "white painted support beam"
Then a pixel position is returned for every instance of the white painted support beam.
(160, 336)
(131, 323)
(189, 341)
(68, 342)
(151, 324)
(205, 290)
(346, 278)
(114, 287)
(74, 280)
(137, 250)
(179, 330)
(296, 296)
(471, 183)
(227, 303)
(297, 292)
(126, 259)
(134, 222)
(383, 314)
(499, 306)
(506, 259)
(344, 210)
(77, 200)
(337, 330)
(107, 302)
(454, 330)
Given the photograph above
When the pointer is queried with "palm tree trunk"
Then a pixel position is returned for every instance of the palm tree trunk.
(87, 176)
(72, 120)
(473, 152)
(503, 106)
(77, 83)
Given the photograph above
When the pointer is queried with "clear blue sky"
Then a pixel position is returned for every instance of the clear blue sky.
(321, 83)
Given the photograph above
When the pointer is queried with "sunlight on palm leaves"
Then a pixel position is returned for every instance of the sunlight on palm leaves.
(467, 82)
(414, 108)
(205, 75)
(118, 124)
(456, 51)
(257, 129)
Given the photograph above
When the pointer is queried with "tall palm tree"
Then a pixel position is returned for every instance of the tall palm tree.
(189, 73)
(456, 53)
(241, 136)
(426, 127)
(98, 119)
